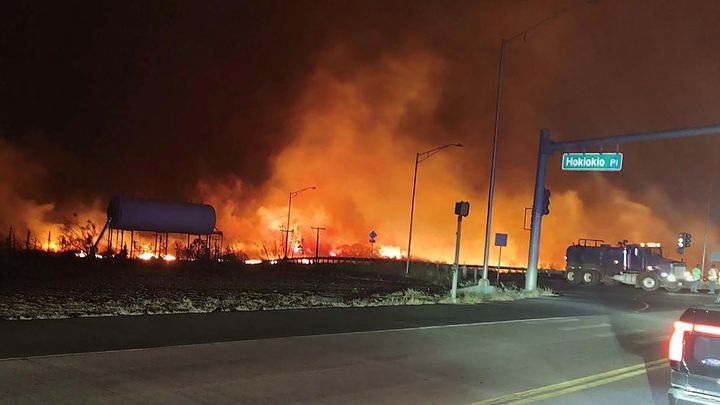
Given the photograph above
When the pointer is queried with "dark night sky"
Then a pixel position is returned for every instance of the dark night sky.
(149, 98)
(136, 85)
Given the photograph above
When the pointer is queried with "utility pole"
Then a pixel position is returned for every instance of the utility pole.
(317, 240)
(547, 147)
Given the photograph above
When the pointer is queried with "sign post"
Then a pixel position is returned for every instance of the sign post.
(372, 235)
(500, 241)
(462, 209)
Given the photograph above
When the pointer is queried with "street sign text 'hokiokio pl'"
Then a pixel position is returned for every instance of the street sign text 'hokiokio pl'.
(592, 162)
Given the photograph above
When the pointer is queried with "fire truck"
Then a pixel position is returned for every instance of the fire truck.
(592, 261)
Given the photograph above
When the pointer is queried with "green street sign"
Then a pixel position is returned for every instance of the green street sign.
(592, 162)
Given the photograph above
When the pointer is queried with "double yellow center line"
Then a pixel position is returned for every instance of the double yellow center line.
(567, 387)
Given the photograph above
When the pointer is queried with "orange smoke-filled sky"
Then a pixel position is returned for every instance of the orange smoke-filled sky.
(237, 104)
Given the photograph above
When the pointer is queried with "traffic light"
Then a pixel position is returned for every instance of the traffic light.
(683, 241)
(546, 202)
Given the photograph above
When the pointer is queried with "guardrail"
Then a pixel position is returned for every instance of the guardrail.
(373, 260)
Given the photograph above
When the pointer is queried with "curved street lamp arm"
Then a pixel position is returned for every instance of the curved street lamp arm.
(294, 193)
(424, 155)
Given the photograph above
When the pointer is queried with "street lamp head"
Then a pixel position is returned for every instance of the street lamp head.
(294, 193)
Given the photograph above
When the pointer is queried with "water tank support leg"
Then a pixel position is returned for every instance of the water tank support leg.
(102, 233)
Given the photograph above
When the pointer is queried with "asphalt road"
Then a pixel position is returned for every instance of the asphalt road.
(587, 345)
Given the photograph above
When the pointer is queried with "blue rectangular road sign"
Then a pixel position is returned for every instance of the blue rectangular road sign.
(500, 239)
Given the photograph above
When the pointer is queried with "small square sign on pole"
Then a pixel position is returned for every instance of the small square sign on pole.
(715, 257)
(462, 208)
(501, 239)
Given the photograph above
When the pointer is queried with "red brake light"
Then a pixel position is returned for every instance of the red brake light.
(707, 329)
(676, 341)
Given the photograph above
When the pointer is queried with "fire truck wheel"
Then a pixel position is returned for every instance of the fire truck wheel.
(673, 286)
(590, 278)
(648, 282)
(573, 276)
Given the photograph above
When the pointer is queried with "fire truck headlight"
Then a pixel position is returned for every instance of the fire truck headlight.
(649, 268)
(663, 274)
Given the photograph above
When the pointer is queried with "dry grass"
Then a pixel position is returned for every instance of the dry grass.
(20, 306)
(503, 293)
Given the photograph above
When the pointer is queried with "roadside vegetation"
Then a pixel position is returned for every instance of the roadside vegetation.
(77, 304)
(46, 287)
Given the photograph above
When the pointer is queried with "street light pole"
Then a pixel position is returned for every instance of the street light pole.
(496, 131)
(412, 213)
(287, 228)
(707, 222)
(491, 187)
(419, 157)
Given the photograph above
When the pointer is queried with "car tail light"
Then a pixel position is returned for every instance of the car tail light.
(678, 336)
(676, 341)
(707, 329)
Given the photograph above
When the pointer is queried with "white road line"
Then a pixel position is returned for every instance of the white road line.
(599, 325)
(552, 321)
(456, 325)
(609, 334)
(365, 332)
(657, 339)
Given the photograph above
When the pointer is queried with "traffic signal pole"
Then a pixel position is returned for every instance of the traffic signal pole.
(547, 147)
(544, 152)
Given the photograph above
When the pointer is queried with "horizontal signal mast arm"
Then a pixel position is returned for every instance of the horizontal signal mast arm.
(553, 146)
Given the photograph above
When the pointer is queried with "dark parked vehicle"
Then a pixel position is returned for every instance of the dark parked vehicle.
(695, 357)
(592, 261)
